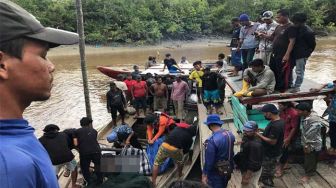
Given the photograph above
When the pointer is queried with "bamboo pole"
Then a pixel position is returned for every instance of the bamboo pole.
(80, 29)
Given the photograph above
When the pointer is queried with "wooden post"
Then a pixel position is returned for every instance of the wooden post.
(80, 30)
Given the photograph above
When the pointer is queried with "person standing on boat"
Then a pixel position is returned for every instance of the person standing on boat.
(89, 150)
(283, 43)
(177, 143)
(158, 123)
(331, 102)
(136, 72)
(305, 44)
(211, 96)
(58, 146)
(25, 76)
(218, 164)
(178, 95)
(150, 80)
(121, 84)
(197, 76)
(263, 33)
(129, 83)
(221, 57)
(272, 139)
(311, 139)
(160, 92)
(291, 117)
(116, 102)
(171, 65)
(184, 60)
(139, 95)
(251, 156)
(257, 81)
(235, 55)
(151, 62)
(247, 40)
(221, 83)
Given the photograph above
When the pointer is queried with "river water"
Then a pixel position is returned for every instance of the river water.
(66, 106)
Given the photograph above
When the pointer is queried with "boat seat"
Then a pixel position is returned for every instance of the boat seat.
(242, 115)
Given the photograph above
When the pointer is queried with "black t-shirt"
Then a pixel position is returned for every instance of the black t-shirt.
(71, 134)
(282, 34)
(304, 43)
(274, 130)
(209, 81)
(169, 62)
(180, 138)
(115, 98)
(252, 152)
(235, 37)
(87, 141)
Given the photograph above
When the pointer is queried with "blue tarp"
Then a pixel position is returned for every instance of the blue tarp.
(152, 151)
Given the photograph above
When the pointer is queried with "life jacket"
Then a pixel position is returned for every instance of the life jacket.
(169, 121)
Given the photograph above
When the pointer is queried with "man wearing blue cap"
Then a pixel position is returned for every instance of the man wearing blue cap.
(218, 154)
(251, 156)
(272, 139)
(247, 41)
(25, 76)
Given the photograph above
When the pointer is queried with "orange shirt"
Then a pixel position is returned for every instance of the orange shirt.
(164, 122)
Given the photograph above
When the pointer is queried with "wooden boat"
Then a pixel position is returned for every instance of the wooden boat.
(163, 180)
(113, 72)
(238, 111)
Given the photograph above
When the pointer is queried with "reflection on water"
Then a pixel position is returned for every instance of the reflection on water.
(66, 105)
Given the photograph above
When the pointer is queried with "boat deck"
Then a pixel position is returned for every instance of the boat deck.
(326, 171)
(235, 84)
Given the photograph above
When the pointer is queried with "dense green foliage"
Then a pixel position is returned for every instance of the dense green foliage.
(149, 21)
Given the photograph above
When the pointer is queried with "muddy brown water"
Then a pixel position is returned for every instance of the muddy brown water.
(66, 105)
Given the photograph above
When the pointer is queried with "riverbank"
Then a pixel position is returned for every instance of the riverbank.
(73, 50)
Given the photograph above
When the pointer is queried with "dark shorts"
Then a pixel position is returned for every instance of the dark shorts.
(236, 59)
(140, 102)
(115, 109)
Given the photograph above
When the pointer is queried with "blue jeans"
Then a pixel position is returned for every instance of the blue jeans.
(300, 70)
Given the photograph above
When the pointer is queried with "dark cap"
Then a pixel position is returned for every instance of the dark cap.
(304, 106)
(270, 108)
(16, 22)
(51, 127)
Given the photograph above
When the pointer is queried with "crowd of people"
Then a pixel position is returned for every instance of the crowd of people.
(292, 129)
(281, 45)
(159, 93)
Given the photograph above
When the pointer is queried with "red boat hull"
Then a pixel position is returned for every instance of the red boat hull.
(112, 72)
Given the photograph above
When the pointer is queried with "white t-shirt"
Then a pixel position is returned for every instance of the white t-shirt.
(268, 29)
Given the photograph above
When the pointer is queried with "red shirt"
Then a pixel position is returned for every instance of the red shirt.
(291, 118)
(129, 84)
(139, 89)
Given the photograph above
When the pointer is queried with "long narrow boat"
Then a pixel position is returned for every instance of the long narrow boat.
(164, 179)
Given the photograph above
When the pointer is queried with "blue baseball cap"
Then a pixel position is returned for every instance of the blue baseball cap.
(250, 126)
(213, 119)
(244, 17)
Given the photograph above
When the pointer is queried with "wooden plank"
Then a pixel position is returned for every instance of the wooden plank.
(290, 180)
(315, 181)
(327, 173)
(235, 85)
(204, 131)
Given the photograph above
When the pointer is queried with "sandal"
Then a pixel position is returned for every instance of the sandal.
(66, 173)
